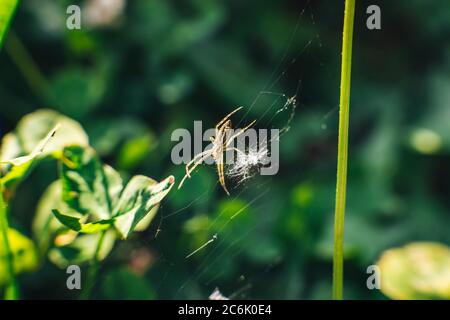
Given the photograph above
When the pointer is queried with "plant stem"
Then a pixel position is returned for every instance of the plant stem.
(341, 183)
(12, 290)
(27, 66)
(7, 10)
(94, 268)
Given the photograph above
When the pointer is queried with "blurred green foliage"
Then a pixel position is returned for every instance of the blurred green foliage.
(157, 65)
(24, 252)
(416, 271)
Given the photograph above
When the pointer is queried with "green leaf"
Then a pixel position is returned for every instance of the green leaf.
(34, 126)
(82, 249)
(45, 226)
(24, 253)
(418, 270)
(38, 149)
(115, 184)
(36, 137)
(75, 224)
(88, 187)
(147, 220)
(138, 199)
(10, 147)
(21, 166)
(7, 9)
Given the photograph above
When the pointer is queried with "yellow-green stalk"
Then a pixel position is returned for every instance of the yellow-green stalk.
(341, 183)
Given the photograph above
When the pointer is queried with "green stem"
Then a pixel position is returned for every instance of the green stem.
(341, 183)
(12, 289)
(94, 268)
(27, 66)
(7, 10)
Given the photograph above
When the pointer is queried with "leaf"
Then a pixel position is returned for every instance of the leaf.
(88, 187)
(10, 147)
(38, 149)
(138, 199)
(82, 249)
(24, 253)
(147, 220)
(115, 184)
(419, 270)
(45, 225)
(7, 9)
(21, 166)
(34, 126)
(75, 224)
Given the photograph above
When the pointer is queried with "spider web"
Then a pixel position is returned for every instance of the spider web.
(221, 246)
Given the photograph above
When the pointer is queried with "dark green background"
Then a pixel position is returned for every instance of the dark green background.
(164, 64)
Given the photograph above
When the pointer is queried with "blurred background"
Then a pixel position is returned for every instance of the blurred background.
(139, 69)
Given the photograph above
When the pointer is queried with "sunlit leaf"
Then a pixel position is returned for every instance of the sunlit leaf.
(10, 147)
(138, 199)
(115, 184)
(418, 270)
(34, 126)
(82, 249)
(24, 253)
(45, 225)
(90, 188)
(77, 225)
(21, 166)
(87, 187)
(147, 220)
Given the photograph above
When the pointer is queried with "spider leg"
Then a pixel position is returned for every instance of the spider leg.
(230, 140)
(198, 162)
(181, 182)
(193, 165)
(234, 149)
(221, 175)
(194, 160)
(227, 117)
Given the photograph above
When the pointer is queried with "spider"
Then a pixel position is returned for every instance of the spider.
(220, 144)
